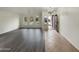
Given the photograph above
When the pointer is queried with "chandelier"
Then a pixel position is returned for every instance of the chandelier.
(52, 10)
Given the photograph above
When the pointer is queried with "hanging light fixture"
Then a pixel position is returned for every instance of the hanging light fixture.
(52, 10)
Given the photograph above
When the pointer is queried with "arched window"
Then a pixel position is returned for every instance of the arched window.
(45, 19)
(31, 19)
(25, 19)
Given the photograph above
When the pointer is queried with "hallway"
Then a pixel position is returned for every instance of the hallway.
(35, 29)
(55, 42)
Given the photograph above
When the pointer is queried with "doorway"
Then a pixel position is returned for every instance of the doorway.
(53, 23)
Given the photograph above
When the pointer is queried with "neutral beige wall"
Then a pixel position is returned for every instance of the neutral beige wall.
(28, 12)
(31, 13)
(69, 24)
(44, 25)
(8, 21)
(27, 25)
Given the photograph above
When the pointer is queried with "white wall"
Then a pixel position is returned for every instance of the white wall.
(27, 25)
(26, 11)
(32, 12)
(8, 21)
(69, 24)
(44, 25)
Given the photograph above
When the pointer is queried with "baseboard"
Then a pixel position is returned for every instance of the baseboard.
(30, 27)
(72, 43)
(9, 31)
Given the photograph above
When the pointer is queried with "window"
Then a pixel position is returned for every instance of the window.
(25, 19)
(31, 19)
(45, 19)
(37, 19)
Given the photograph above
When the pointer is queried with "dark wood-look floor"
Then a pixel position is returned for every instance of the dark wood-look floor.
(54, 42)
(34, 40)
(23, 40)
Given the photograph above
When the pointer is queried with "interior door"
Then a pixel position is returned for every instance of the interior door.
(55, 22)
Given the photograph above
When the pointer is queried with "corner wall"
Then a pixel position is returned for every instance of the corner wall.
(69, 24)
(8, 21)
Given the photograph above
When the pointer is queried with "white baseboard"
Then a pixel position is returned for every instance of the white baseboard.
(71, 42)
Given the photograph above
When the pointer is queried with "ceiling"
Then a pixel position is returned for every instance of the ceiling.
(22, 10)
(26, 10)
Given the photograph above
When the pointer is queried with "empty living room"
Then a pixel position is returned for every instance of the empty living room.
(39, 29)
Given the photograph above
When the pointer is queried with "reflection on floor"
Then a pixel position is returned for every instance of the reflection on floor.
(29, 40)
(34, 40)
(54, 42)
